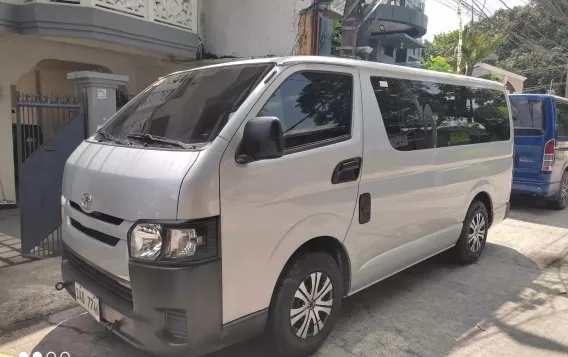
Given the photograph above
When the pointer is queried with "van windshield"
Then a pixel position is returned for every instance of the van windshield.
(529, 117)
(184, 108)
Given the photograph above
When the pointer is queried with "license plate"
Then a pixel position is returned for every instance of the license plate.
(88, 300)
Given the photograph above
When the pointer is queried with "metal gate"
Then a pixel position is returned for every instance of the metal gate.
(48, 129)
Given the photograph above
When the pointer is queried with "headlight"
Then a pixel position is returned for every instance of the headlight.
(174, 241)
(146, 241)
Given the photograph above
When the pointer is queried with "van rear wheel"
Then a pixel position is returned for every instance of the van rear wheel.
(560, 201)
(306, 304)
(473, 236)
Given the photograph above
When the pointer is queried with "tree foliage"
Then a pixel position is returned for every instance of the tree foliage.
(536, 45)
(336, 38)
(441, 45)
(438, 64)
(477, 44)
(538, 41)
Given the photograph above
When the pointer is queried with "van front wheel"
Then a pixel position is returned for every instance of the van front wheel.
(306, 305)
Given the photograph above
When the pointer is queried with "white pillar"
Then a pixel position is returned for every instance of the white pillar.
(7, 181)
(99, 89)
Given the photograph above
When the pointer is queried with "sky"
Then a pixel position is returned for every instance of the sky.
(442, 19)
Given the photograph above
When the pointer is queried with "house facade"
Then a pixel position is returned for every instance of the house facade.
(43, 40)
(394, 32)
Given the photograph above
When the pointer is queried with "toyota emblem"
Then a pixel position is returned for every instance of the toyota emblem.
(86, 201)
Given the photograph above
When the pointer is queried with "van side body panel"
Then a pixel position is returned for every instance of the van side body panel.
(270, 208)
(199, 191)
(419, 198)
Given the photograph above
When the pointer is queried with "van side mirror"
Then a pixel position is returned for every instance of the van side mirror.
(262, 139)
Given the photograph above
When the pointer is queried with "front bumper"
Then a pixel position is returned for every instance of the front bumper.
(170, 311)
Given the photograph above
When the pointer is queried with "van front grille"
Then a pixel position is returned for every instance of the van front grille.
(98, 215)
(95, 274)
(100, 236)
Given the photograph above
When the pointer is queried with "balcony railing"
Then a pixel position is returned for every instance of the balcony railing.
(178, 13)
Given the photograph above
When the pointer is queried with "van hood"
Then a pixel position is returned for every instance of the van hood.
(131, 183)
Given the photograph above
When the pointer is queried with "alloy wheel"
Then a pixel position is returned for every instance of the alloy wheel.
(476, 235)
(311, 305)
(564, 188)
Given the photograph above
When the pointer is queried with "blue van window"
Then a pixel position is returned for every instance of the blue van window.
(561, 119)
(529, 117)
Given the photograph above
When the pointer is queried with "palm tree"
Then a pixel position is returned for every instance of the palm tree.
(476, 46)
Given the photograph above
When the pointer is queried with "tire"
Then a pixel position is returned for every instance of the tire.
(307, 333)
(560, 201)
(472, 240)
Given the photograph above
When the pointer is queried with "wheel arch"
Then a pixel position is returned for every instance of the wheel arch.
(326, 244)
(485, 198)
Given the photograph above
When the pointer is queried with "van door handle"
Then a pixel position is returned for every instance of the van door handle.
(347, 171)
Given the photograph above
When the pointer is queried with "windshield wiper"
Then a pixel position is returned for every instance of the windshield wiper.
(106, 135)
(159, 140)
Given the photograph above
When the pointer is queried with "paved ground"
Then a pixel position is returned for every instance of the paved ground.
(512, 303)
(10, 238)
(27, 292)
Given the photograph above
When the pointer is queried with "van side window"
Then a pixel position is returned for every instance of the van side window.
(423, 115)
(491, 114)
(312, 107)
(561, 119)
(402, 105)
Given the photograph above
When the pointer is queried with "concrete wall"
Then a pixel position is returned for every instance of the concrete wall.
(19, 71)
(516, 83)
(267, 27)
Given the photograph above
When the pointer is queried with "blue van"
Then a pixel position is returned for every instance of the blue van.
(541, 147)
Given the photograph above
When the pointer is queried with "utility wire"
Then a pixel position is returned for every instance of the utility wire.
(520, 40)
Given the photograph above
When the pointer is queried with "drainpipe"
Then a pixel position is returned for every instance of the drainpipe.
(315, 27)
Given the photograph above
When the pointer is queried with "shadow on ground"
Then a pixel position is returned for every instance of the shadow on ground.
(10, 222)
(534, 210)
(422, 311)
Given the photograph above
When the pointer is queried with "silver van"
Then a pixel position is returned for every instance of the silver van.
(254, 196)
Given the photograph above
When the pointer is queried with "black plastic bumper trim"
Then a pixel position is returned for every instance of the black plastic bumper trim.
(157, 289)
(245, 327)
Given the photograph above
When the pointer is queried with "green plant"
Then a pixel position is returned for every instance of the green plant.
(336, 38)
(477, 44)
(439, 64)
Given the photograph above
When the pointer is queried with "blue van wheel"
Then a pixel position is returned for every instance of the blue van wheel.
(560, 201)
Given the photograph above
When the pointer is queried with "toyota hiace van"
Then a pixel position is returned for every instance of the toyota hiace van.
(254, 196)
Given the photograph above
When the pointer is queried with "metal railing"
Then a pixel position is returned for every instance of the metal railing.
(39, 118)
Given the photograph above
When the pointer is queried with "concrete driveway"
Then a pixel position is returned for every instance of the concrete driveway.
(512, 303)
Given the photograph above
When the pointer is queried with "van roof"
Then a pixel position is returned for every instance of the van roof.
(539, 96)
(383, 67)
